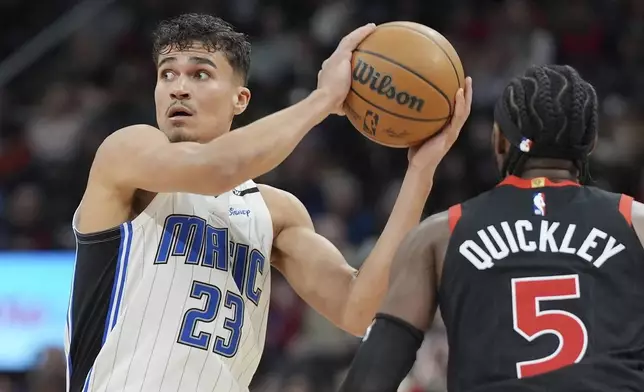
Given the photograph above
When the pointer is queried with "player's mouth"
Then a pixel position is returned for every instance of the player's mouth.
(179, 113)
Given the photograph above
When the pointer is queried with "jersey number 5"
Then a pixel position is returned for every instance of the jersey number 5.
(233, 324)
(531, 322)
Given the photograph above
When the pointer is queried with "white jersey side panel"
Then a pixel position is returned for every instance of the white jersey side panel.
(190, 302)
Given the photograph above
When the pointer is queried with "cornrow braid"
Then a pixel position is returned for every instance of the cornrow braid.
(549, 112)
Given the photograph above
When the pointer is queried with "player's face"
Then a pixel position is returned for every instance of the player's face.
(197, 94)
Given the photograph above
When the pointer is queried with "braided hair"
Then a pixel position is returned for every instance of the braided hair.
(549, 112)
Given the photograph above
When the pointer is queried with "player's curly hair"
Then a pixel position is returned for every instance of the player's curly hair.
(214, 33)
(549, 112)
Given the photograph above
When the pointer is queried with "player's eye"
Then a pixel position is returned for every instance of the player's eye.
(202, 75)
(167, 75)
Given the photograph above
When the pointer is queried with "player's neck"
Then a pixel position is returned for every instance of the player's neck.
(552, 169)
(551, 174)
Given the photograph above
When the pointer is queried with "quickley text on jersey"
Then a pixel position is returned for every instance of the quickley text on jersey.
(497, 242)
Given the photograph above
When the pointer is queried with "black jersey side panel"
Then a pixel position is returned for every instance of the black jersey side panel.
(95, 291)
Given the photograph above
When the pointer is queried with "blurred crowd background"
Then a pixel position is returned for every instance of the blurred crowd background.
(97, 76)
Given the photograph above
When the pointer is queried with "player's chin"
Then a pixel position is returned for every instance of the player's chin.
(180, 121)
(181, 132)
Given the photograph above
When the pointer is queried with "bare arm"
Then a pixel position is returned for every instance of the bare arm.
(389, 349)
(318, 272)
(638, 220)
(414, 276)
(316, 269)
(141, 157)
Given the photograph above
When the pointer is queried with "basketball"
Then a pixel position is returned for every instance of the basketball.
(404, 81)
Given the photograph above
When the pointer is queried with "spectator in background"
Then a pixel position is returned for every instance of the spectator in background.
(49, 373)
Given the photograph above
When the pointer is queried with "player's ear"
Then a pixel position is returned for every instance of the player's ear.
(241, 100)
(500, 144)
(594, 145)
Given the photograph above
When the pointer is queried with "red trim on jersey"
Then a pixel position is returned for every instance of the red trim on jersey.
(538, 182)
(626, 208)
(454, 214)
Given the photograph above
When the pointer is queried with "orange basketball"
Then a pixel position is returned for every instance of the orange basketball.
(405, 79)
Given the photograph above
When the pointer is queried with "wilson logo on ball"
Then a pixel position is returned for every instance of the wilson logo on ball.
(366, 74)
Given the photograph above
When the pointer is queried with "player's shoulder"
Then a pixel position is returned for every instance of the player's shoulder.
(637, 219)
(134, 132)
(112, 161)
(441, 226)
(638, 209)
(273, 192)
(434, 221)
(286, 209)
(430, 238)
(599, 192)
(127, 141)
(626, 204)
(434, 230)
(279, 198)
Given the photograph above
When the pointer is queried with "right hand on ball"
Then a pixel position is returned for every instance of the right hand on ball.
(334, 79)
(426, 156)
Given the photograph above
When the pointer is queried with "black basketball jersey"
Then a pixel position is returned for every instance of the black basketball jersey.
(539, 276)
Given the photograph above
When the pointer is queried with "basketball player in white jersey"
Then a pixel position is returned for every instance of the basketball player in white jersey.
(175, 243)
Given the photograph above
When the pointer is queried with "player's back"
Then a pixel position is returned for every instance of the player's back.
(176, 299)
(538, 276)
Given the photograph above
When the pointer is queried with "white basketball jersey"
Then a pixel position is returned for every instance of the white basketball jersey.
(189, 297)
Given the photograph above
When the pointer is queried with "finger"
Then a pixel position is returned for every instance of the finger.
(464, 106)
(353, 39)
(468, 95)
(459, 106)
(458, 119)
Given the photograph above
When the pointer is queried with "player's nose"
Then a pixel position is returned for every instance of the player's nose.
(179, 93)
(179, 90)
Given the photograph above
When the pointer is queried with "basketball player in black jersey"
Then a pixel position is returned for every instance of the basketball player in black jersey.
(540, 281)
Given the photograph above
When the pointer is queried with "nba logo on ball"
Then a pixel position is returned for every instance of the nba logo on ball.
(539, 204)
(370, 123)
